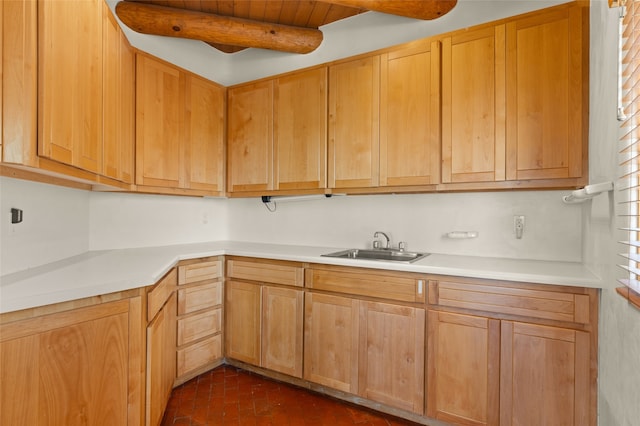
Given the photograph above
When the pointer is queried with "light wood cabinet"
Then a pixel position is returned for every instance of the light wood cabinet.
(180, 129)
(354, 117)
(70, 82)
(204, 134)
(529, 349)
(250, 137)
(263, 322)
(80, 364)
(372, 349)
(19, 82)
(282, 330)
(331, 335)
(158, 123)
(410, 115)
(463, 361)
(200, 304)
(544, 374)
(473, 106)
(242, 321)
(119, 102)
(161, 346)
(277, 138)
(546, 89)
(161, 360)
(391, 357)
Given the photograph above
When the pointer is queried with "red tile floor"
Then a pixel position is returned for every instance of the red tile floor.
(229, 396)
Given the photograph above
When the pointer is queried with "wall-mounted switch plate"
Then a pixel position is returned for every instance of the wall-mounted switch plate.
(16, 215)
(518, 225)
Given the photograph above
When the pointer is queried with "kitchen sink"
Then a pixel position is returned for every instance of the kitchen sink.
(387, 255)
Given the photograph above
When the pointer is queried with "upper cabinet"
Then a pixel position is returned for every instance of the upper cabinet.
(473, 106)
(250, 138)
(354, 115)
(180, 130)
(410, 115)
(119, 102)
(277, 134)
(502, 105)
(19, 82)
(546, 88)
(70, 80)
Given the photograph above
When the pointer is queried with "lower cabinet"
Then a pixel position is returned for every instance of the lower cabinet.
(331, 327)
(161, 351)
(200, 312)
(77, 365)
(463, 366)
(526, 357)
(264, 314)
(544, 375)
(372, 349)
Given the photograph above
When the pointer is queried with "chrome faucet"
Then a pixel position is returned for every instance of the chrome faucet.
(387, 244)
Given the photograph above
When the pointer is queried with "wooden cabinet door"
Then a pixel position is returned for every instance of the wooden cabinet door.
(159, 121)
(75, 367)
(242, 321)
(161, 360)
(300, 130)
(544, 375)
(119, 102)
(250, 137)
(204, 135)
(354, 109)
(392, 355)
(331, 341)
(473, 106)
(71, 82)
(463, 357)
(410, 116)
(282, 317)
(546, 104)
(19, 82)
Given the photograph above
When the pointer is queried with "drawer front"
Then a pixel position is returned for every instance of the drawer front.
(266, 272)
(368, 283)
(197, 326)
(203, 296)
(160, 293)
(202, 271)
(199, 354)
(511, 300)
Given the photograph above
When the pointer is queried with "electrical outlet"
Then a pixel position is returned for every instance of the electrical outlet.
(518, 225)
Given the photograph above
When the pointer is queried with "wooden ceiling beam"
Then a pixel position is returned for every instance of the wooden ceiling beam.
(168, 21)
(417, 9)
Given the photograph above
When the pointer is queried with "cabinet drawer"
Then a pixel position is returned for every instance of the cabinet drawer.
(199, 354)
(371, 283)
(200, 325)
(512, 300)
(277, 273)
(192, 299)
(201, 271)
(160, 293)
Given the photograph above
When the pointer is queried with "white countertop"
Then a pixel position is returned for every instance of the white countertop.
(107, 271)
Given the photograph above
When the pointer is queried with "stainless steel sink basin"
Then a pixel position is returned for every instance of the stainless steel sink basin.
(379, 254)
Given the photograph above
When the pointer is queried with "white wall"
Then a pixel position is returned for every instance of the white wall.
(619, 331)
(134, 220)
(552, 229)
(55, 224)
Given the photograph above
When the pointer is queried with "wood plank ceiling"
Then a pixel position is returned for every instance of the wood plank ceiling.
(287, 25)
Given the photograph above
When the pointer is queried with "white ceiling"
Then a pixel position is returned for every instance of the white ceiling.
(359, 34)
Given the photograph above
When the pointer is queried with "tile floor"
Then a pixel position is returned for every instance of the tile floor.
(229, 396)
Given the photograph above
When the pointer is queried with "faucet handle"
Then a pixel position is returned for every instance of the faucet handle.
(376, 244)
(402, 245)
